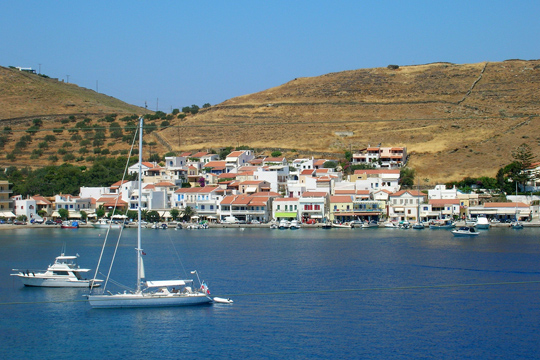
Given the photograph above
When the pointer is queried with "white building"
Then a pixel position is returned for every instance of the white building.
(441, 192)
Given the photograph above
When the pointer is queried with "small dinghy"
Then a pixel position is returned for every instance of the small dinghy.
(222, 300)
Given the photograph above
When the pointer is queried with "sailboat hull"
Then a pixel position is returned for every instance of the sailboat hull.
(146, 300)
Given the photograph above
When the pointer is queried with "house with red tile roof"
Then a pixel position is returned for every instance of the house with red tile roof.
(314, 205)
(374, 180)
(381, 157)
(403, 205)
(246, 208)
(279, 160)
(238, 158)
(204, 200)
(285, 208)
(253, 186)
(445, 209)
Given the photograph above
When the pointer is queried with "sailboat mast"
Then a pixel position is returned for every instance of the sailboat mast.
(139, 262)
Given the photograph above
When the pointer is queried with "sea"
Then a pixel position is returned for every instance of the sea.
(298, 294)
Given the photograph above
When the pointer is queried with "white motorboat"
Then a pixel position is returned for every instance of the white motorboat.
(391, 225)
(344, 225)
(295, 225)
(63, 273)
(465, 231)
(482, 222)
(369, 225)
(149, 293)
(516, 225)
(105, 224)
(284, 224)
(222, 300)
(418, 226)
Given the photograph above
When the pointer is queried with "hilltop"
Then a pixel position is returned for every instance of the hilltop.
(455, 120)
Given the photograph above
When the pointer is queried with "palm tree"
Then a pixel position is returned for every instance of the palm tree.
(188, 212)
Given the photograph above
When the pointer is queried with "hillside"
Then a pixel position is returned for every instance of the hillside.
(455, 120)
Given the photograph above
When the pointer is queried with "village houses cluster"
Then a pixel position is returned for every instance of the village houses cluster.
(266, 189)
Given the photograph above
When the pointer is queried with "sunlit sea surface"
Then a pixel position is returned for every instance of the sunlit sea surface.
(304, 294)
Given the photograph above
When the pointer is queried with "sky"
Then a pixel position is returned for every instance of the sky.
(171, 54)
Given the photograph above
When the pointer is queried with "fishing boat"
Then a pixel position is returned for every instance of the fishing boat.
(442, 224)
(64, 272)
(159, 293)
(465, 231)
(516, 225)
(391, 225)
(344, 225)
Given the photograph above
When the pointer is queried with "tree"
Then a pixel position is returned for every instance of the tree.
(348, 155)
(187, 213)
(406, 176)
(152, 216)
(329, 164)
(64, 214)
(275, 153)
(523, 157)
(174, 214)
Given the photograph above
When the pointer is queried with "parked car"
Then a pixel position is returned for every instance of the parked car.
(19, 222)
(49, 222)
(255, 222)
(310, 221)
(58, 221)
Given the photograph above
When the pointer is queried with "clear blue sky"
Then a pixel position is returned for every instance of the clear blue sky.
(194, 52)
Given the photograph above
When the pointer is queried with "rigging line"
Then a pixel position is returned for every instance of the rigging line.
(328, 291)
(177, 256)
(110, 225)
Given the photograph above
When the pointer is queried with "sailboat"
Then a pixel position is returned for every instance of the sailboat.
(159, 293)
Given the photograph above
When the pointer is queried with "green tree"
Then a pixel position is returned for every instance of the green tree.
(174, 214)
(187, 213)
(406, 176)
(275, 153)
(523, 157)
(64, 214)
(152, 216)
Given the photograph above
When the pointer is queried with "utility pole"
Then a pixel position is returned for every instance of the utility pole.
(39, 69)
(67, 79)
(97, 89)
(157, 104)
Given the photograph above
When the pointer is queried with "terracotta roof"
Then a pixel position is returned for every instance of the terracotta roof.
(227, 176)
(411, 192)
(252, 182)
(199, 154)
(340, 199)
(274, 159)
(442, 202)
(164, 183)
(314, 194)
(215, 163)
(235, 153)
(286, 199)
(506, 205)
(307, 172)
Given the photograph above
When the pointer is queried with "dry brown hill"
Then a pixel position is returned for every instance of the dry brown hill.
(455, 120)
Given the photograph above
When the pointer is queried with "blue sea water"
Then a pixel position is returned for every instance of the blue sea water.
(304, 294)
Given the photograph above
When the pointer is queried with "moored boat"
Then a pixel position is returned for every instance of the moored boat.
(482, 222)
(68, 224)
(465, 231)
(63, 273)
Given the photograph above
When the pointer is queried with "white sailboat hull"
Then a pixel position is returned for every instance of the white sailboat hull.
(146, 300)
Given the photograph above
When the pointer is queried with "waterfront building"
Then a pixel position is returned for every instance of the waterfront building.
(314, 205)
(246, 207)
(285, 208)
(502, 211)
(446, 209)
(6, 204)
(441, 192)
(403, 205)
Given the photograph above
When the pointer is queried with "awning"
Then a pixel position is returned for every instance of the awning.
(119, 217)
(7, 214)
(251, 189)
(286, 214)
(55, 214)
(74, 215)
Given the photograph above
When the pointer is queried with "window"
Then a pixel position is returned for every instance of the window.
(211, 207)
(317, 207)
